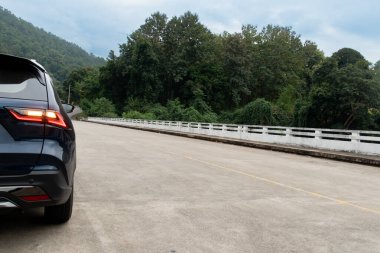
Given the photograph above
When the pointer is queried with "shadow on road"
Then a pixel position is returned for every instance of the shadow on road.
(13, 219)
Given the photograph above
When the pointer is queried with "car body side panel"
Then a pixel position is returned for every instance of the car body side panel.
(59, 147)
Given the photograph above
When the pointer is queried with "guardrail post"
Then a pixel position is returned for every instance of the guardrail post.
(224, 128)
(211, 127)
(355, 137)
(241, 131)
(318, 134)
(265, 130)
(288, 132)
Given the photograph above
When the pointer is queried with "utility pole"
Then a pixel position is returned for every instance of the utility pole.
(68, 96)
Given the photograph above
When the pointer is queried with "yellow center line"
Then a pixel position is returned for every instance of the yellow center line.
(273, 182)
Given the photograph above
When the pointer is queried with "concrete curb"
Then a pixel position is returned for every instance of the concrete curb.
(332, 155)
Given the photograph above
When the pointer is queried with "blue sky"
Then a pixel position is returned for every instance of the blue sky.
(101, 25)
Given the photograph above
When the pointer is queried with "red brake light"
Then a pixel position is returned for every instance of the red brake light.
(35, 198)
(34, 115)
(38, 115)
(55, 118)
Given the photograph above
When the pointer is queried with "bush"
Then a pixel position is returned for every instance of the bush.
(192, 115)
(301, 113)
(100, 107)
(139, 115)
(210, 117)
(175, 110)
(375, 119)
(281, 117)
(86, 105)
(161, 112)
(231, 117)
(134, 104)
(286, 99)
(258, 112)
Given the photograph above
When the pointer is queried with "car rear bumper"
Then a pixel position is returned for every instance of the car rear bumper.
(36, 189)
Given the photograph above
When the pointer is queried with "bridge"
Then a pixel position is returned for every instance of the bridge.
(139, 191)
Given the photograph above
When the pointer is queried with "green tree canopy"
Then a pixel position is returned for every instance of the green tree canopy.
(176, 69)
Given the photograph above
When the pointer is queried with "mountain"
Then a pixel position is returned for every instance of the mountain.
(59, 57)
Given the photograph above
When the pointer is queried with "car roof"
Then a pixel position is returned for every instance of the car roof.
(4, 57)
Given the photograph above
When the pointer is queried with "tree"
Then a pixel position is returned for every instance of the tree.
(83, 83)
(176, 69)
(343, 93)
(347, 56)
(280, 61)
(376, 70)
(237, 67)
(114, 80)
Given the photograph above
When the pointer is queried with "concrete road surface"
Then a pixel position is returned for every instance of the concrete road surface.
(145, 192)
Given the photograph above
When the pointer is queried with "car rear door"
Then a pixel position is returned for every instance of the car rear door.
(22, 96)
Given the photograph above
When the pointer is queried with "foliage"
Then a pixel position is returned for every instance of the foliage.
(82, 83)
(343, 94)
(176, 69)
(258, 112)
(286, 99)
(170, 60)
(100, 107)
(301, 113)
(174, 110)
(251, 77)
(375, 119)
(139, 115)
(376, 70)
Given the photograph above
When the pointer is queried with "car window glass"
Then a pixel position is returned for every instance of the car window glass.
(21, 84)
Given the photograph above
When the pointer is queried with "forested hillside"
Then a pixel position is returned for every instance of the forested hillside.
(58, 56)
(176, 69)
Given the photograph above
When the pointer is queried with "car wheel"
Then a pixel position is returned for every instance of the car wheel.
(60, 213)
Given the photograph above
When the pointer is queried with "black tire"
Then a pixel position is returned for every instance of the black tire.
(60, 213)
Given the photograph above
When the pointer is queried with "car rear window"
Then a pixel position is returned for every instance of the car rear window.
(21, 83)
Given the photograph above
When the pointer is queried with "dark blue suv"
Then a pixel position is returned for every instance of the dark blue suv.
(37, 141)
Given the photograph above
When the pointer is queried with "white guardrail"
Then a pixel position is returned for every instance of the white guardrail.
(361, 142)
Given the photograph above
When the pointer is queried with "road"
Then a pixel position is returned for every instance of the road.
(139, 191)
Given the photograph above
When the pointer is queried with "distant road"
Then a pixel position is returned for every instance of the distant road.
(77, 110)
(139, 191)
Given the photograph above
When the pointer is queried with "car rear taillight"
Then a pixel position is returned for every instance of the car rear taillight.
(38, 115)
(35, 198)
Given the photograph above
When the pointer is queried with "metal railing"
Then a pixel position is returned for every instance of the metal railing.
(363, 142)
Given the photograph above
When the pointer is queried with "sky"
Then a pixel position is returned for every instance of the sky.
(99, 26)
